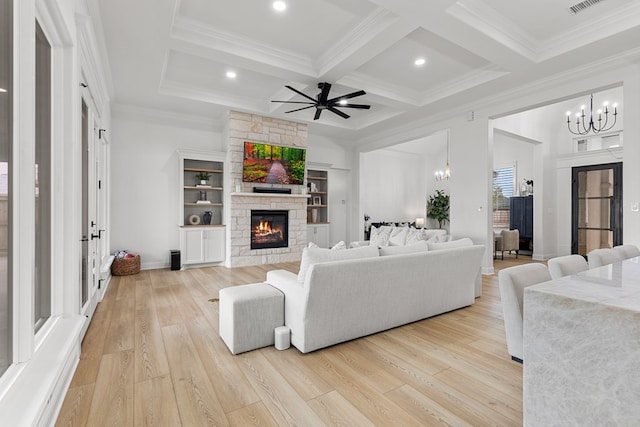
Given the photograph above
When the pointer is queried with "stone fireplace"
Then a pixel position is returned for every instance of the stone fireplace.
(269, 229)
(242, 201)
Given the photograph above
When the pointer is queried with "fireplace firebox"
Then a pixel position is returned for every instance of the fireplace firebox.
(269, 229)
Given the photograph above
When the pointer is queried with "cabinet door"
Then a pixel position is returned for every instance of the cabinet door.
(193, 247)
(214, 245)
(318, 234)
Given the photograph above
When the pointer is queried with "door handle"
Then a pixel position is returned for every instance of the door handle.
(97, 236)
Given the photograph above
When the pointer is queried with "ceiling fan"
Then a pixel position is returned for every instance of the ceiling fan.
(322, 101)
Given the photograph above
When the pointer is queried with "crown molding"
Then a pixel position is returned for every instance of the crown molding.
(182, 90)
(607, 25)
(468, 81)
(481, 17)
(377, 22)
(196, 33)
(163, 117)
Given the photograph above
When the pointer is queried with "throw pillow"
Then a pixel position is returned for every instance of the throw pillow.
(340, 245)
(436, 235)
(415, 235)
(311, 256)
(408, 249)
(379, 237)
(312, 245)
(433, 246)
(398, 236)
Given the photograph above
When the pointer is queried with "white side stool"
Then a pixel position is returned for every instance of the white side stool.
(283, 337)
(248, 316)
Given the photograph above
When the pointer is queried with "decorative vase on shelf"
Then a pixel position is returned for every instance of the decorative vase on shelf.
(314, 215)
(206, 217)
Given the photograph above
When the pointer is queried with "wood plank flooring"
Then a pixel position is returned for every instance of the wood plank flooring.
(152, 356)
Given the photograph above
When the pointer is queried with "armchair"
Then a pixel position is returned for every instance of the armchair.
(509, 241)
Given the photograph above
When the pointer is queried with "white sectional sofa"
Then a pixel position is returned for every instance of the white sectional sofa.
(339, 300)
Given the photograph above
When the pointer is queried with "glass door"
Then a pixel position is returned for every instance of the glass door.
(596, 207)
(88, 263)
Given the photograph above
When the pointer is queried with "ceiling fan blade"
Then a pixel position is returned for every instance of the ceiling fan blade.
(317, 116)
(300, 109)
(361, 106)
(338, 112)
(326, 87)
(348, 96)
(300, 93)
(296, 102)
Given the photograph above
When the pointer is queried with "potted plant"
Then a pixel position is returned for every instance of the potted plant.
(438, 207)
(203, 177)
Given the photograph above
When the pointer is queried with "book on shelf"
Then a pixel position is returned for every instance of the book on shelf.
(203, 202)
(202, 186)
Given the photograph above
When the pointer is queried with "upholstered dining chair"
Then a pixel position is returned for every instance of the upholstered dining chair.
(627, 251)
(566, 265)
(510, 241)
(512, 281)
(605, 256)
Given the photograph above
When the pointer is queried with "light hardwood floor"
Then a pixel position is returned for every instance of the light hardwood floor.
(152, 356)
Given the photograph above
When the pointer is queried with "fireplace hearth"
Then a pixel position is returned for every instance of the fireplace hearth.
(269, 229)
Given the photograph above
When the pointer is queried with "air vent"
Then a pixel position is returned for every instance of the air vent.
(583, 5)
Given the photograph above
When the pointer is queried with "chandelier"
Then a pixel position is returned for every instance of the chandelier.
(582, 129)
(444, 175)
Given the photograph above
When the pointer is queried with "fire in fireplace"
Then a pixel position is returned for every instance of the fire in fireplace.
(269, 229)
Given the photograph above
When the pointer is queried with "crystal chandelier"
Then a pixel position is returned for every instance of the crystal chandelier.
(582, 128)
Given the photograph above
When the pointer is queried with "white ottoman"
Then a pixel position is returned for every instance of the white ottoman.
(248, 316)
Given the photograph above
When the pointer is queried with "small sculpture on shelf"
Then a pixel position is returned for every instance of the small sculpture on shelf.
(206, 217)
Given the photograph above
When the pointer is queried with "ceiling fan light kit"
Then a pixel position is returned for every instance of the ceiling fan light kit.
(322, 101)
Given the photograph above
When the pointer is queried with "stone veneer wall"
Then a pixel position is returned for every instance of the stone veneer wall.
(253, 128)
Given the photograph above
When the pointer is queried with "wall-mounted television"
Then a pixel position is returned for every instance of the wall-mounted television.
(273, 164)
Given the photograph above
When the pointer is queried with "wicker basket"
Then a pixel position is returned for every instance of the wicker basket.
(126, 266)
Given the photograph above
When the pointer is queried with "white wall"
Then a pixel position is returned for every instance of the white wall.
(144, 189)
(392, 185)
(510, 151)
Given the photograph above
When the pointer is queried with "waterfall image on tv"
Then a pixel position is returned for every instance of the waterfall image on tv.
(273, 164)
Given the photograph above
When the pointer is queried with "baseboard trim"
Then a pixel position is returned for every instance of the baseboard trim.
(36, 395)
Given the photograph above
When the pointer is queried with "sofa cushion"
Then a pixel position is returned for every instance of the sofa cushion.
(380, 236)
(398, 236)
(407, 249)
(415, 235)
(435, 235)
(311, 256)
(340, 245)
(434, 246)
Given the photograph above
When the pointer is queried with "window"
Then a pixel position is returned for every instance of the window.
(503, 179)
(6, 62)
(42, 266)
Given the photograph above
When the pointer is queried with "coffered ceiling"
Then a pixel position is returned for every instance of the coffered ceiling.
(171, 57)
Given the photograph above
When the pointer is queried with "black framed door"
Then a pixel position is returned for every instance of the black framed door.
(596, 207)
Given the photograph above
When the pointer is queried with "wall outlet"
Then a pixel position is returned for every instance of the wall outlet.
(635, 207)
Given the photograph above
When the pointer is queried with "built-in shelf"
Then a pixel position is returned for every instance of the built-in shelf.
(201, 225)
(190, 187)
(190, 169)
(203, 204)
(294, 196)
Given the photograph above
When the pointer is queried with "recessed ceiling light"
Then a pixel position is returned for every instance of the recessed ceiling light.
(279, 5)
(420, 61)
(231, 74)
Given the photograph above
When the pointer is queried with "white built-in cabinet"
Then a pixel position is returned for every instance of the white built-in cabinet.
(318, 207)
(201, 243)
